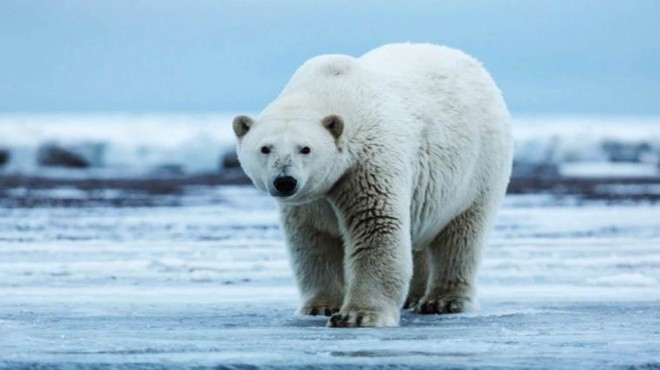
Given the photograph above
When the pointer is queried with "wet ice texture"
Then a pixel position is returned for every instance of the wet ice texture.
(205, 281)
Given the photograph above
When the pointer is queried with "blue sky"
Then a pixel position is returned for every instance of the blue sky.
(549, 57)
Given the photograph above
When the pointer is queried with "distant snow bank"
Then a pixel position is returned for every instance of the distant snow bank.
(114, 144)
(590, 146)
(140, 145)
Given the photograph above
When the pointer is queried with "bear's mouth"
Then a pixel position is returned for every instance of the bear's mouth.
(277, 194)
(296, 199)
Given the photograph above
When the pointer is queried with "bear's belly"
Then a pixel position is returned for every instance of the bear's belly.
(437, 202)
(425, 229)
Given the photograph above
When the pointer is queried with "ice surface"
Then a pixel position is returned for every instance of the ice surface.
(138, 145)
(205, 282)
(634, 279)
(609, 169)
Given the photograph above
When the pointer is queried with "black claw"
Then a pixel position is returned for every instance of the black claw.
(314, 311)
(334, 319)
(427, 308)
(358, 320)
(327, 312)
(445, 308)
(440, 306)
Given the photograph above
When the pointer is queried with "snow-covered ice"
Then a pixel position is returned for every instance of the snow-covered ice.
(204, 281)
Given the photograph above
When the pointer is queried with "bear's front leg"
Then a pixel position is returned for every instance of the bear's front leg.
(374, 218)
(316, 258)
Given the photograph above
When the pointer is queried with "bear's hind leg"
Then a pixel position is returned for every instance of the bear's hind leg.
(419, 279)
(454, 258)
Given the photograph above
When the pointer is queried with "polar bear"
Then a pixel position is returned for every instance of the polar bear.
(388, 170)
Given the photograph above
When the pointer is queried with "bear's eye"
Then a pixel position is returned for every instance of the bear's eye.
(305, 150)
(265, 150)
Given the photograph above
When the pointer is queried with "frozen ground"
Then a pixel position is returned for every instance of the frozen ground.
(201, 279)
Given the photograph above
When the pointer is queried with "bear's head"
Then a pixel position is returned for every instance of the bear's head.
(295, 160)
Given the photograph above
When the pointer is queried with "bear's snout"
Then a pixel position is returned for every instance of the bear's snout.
(284, 186)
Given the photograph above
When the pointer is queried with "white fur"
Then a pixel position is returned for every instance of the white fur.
(422, 165)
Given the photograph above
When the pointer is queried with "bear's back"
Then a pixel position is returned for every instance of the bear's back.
(439, 85)
(417, 72)
(413, 59)
(322, 70)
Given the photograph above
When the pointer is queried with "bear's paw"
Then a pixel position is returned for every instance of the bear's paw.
(443, 305)
(357, 317)
(318, 309)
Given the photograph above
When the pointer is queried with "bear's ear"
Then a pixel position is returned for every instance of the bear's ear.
(242, 125)
(334, 124)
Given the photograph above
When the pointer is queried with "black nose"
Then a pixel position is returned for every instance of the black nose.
(285, 185)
